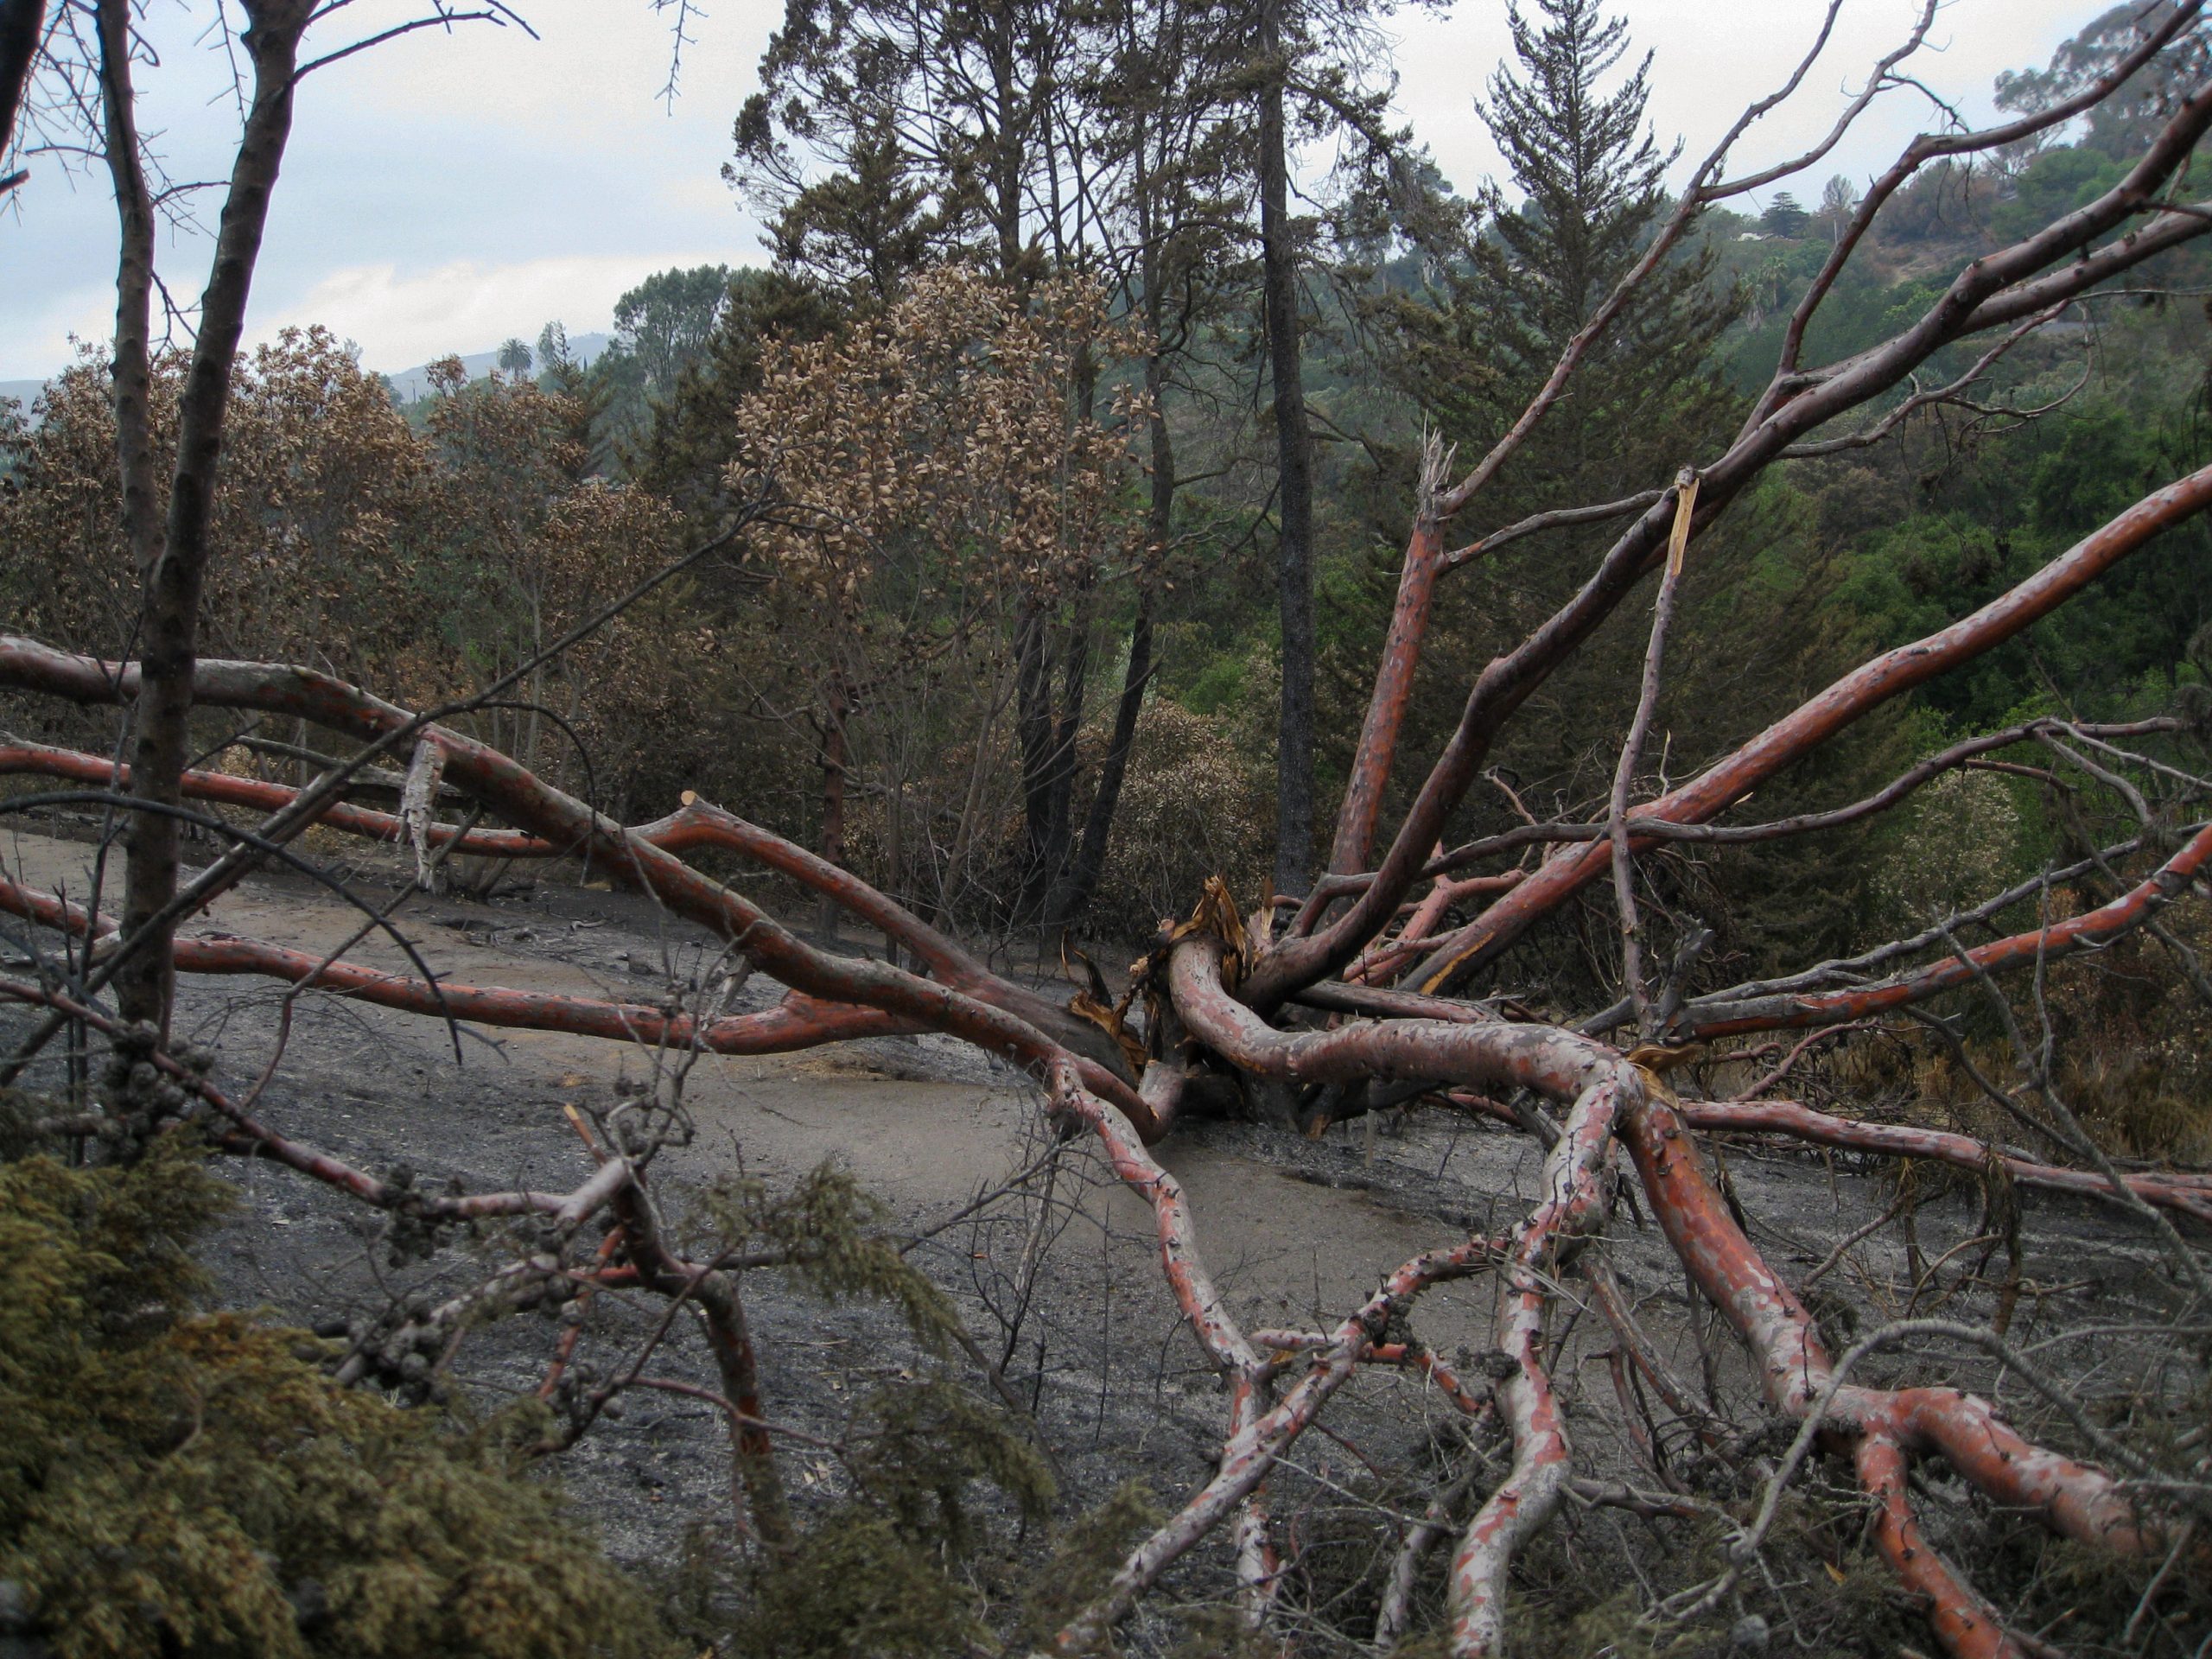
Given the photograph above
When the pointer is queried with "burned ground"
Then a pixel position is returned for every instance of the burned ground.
(1056, 1281)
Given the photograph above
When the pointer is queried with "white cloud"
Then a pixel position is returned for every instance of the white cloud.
(36, 342)
(1710, 61)
(436, 188)
(403, 318)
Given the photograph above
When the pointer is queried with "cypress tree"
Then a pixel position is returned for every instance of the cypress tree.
(1590, 176)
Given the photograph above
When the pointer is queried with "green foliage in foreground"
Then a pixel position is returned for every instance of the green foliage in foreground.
(181, 1483)
(188, 1483)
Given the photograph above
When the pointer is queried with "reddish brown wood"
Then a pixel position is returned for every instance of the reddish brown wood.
(2190, 1194)
(43, 759)
(1964, 1623)
(995, 1014)
(1257, 1437)
(1983, 294)
(1721, 1017)
(1379, 962)
(799, 1021)
(2081, 1501)
(1377, 749)
(1576, 1197)
(1815, 722)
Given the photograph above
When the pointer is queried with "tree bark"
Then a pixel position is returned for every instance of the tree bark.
(1995, 290)
(1815, 722)
(1006, 154)
(1075, 891)
(131, 366)
(1048, 739)
(1294, 481)
(961, 996)
(169, 620)
(1075, 681)
(1078, 884)
(1393, 683)
(21, 22)
(834, 721)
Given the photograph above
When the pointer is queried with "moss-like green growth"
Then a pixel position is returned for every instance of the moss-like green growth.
(181, 1483)
(824, 1228)
(858, 1588)
(888, 1573)
(1090, 1551)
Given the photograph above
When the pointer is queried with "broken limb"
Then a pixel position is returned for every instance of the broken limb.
(2184, 1192)
(797, 1022)
(1575, 1193)
(2190, 1194)
(696, 823)
(248, 1137)
(1649, 824)
(1815, 722)
(1796, 406)
(995, 1015)
(1258, 1441)
(1966, 1624)
(1377, 751)
(1616, 837)
(1380, 961)
(1728, 1015)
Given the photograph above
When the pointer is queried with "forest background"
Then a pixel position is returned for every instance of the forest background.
(1047, 609)
(1024, 538)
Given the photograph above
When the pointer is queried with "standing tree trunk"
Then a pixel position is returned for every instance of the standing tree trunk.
(21, 22)
(1033, 727)
(1067, 723)
(1006, 144)
(1077, 887)
(1048, 749)
(174, 564)
(1294, 482)
(130, 367)
(834, 720)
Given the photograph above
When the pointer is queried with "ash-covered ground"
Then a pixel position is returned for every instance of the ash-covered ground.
(1297, 1232)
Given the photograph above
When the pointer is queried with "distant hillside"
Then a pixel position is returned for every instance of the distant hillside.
(410, 384)
(406, 386)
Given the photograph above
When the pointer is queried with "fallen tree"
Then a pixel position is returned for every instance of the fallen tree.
(1346, 1006)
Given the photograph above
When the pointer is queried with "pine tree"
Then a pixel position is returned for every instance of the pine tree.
(1588, 168)
(1786, 216)
(1589, 175)
(1545, 247)
(692, 435)
(562, 372)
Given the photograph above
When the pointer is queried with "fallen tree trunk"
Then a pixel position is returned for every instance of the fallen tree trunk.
(1008, 1020)
(1818, 718)
(1603, 1093)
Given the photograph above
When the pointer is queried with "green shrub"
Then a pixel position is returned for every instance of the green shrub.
(175, 1482)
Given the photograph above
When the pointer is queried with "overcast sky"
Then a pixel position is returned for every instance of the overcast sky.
(446, 190)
